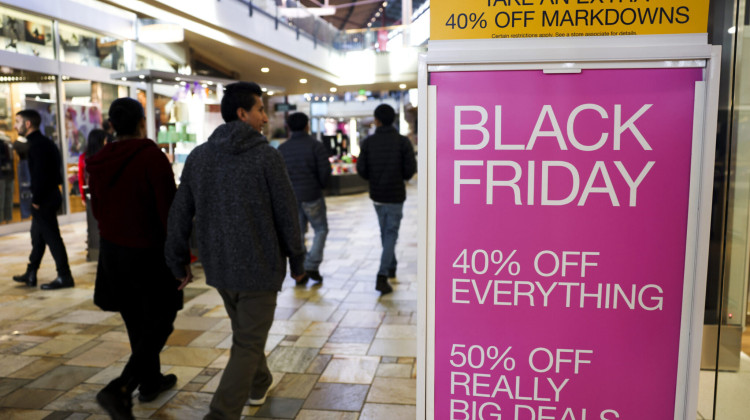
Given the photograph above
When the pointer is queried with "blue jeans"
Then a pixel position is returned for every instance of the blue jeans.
(315, 213)
(389, 218)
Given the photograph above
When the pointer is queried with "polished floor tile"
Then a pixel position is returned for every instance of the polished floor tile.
(337, 350)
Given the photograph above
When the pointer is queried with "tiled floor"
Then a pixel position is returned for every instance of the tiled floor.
(338, 351)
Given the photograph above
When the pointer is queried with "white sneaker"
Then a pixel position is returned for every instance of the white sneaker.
(258, 401)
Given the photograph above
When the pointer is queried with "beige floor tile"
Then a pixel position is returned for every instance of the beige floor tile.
(289, 327)
(394, 370)
(194, 323)
(397, 332)
(183, 337)
(29, 398)
(388, 411)
(12, 363)
(86, 317)
(103, 355)
(387, 347)
(393, 391)
(60, 345)
(351, 370)
(37, 368)
(189, 356)
(294, 385)
(185, 405)
(364, 319)
(22, 414)
(291, 359)
(306, 341)
(325, 415)
(209, 339)
(320, 329)
(354, 349)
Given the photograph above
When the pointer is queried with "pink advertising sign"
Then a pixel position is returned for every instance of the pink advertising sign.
(561, 223)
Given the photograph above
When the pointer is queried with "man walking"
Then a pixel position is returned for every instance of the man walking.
(45, 165)
(237, 189)
(308, 166)
(386, 160)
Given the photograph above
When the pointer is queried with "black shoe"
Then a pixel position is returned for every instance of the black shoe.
(315, 275)
(119, 406)
(303, 281)
(383, 286)
(29, 277)
(59, 283)
(167, 382)
(392, 273)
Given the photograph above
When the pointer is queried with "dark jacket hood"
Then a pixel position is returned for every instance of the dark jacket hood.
(236, 137)
(109, 161)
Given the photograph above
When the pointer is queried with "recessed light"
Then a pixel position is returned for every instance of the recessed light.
(402, 86)
(265, 69)
(123, 78)
(270, 92)
(177, 79)
(141, 76)
(303, 81)
(333, 89)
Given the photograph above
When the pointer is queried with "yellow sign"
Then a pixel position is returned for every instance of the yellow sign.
(479, 19)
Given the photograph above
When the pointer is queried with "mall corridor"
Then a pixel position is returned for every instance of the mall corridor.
(337, 351)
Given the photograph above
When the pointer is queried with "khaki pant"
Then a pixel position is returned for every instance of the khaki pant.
(246, 374)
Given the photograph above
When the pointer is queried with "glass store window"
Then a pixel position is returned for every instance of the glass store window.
(90, 49)
(23, 90)
(85, 109)
(26, 34)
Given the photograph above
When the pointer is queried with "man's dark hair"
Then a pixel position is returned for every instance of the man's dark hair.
(31, 116)
(297, 121)
(385, 114)
(95, 142)
(124, 115)
(238, 95)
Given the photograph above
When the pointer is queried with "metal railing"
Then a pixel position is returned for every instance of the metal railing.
(292, 15)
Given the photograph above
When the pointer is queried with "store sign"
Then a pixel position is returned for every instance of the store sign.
(478, 19)
(284, 107)
(561, 235)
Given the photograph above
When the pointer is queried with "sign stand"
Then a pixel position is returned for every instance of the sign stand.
(564, 200)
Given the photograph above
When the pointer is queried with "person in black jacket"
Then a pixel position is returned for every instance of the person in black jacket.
(386, 160)
(308, 166)
(45, 166)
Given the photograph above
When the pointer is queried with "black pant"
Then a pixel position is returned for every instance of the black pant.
(148, 330)
(46, 232)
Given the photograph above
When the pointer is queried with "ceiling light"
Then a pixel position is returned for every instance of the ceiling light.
(333, 89)
(385, 3)
(270, 92)
(402, 86)
(369, 24)
(177, 79)
(317, 98)
(264, 89)
(141, 76)
(123, 78)
(265, 69)
(303, 81)
(158, 80)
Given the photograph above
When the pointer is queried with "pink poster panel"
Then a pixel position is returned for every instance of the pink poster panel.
(561, 220)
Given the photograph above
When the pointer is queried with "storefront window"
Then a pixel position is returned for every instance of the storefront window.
(90, 49)
(85, 109)
(21, 90)
(26, 34)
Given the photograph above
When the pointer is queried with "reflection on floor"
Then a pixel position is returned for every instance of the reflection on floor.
(338, 351)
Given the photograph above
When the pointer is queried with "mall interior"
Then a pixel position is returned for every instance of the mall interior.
(338, 350)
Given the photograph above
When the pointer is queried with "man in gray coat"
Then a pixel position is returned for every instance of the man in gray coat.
(237, 189)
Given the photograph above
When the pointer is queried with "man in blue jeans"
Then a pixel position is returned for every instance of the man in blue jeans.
(387, 161)
(308, 167)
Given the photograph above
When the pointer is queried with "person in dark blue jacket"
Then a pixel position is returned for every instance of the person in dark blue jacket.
(308, 166)
(387, 161)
